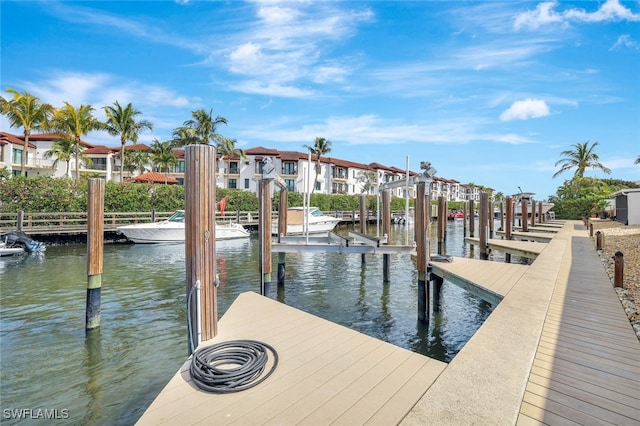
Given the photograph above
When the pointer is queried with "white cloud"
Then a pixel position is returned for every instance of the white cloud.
(625, 41)
(545, 14)
(523, 110)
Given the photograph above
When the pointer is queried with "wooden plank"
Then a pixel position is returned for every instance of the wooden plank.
(323, 367)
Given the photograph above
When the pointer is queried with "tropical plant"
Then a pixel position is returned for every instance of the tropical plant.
(136, 160)
(122, 122)
(637, 160)
(28, 112)
(200, 129)
(62, 149)
(75, 123)
(580, 158)
(227, 148)
(162, 156)
(368, 181)
(320, 147)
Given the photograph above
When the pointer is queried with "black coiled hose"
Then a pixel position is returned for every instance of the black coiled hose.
(232, 366)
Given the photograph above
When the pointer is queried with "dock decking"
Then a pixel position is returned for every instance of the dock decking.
(528, 249)
(557, 349)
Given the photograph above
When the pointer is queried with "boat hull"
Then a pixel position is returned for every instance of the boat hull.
(173, 233)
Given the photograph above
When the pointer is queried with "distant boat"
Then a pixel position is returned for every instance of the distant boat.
(318, 221)
(172, 230)
(16, 242)
(456, 216)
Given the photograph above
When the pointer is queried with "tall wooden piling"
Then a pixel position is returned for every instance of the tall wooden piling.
(508, 223)
(482, 225)
(200, 240)
(20, 220)
(363, 221)
(472, 219)
(464, 218)
(442, 223)
(421, 224)
(541, 218)
(283, 205)
(502, 227)
(95, 250)
(490, 216)
(525, 216)
(386, 230)
(264, 234)
(533, 213)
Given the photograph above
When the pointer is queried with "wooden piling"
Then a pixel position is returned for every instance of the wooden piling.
(464, 218)
(502, 219)
(482, 225)
(618, 275)
(200, 239)
(508, 223)
(533, 213)
(525, 216)
(472, 219)
(599, 236)
(363, 221)
(386, 230)
(490, 216)
(283, 205)
(541, 218)
(95, 250)
(264, 234)
(421, 224)
(442, 222)
(20, 220)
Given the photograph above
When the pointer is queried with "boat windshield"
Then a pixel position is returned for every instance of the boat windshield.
(316, 212)
(177, 217)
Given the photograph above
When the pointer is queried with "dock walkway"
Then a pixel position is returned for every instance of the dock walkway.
(557, 349)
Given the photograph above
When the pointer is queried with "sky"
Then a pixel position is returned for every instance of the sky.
(490, 93)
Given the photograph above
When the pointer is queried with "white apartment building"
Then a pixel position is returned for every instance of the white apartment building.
(300, 172)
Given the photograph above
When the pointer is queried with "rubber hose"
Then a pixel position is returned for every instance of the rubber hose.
(232, 366)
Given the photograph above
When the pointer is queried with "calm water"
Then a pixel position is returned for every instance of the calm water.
(111, 376)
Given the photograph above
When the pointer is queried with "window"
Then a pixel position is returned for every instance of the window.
(98, 164)
(180, 167)
(246, 184)
(289, 168)
(318, 186)
(180, 180)
(233, 168)
(233, 183)
(16, 156)
(259, 167)
(291, 184)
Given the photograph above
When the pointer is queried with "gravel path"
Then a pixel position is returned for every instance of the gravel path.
(626, 239)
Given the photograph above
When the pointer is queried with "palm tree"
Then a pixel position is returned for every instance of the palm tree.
(637, 160)
(136, 160)
(227, 147)
(581, 158)
(201, 128)
(75, 123)
(122, 122)
(162, 156)
(28, 112)
(62, 149)
(321, 146)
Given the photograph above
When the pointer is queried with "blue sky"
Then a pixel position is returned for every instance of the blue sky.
(488, 92)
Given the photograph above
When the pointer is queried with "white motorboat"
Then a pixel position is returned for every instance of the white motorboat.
(172, 230)
(6, 250)
(317, 222)
(527, 197)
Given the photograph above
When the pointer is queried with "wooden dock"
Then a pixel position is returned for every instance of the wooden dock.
(528, 249)
(557, 349)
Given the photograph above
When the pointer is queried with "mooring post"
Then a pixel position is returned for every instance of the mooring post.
(618, 276)
(422, 249)
(541, 218)
(386, 230)
(464, 218)
(482, 225)
(153, 215)
(533, 213)
(490, 216)
(508, 223)
(264, 233)
(200, 243)
(525, 216)
(95, 250)
(502, 227)
(442, 224)
(282, 230)
(20, 220)
(363, 222)
(472, 219)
